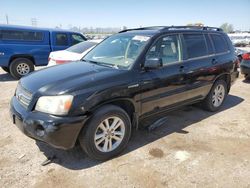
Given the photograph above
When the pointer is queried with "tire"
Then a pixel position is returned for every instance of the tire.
(94, 146)
(6, 69)
(16, 67)
(247, 77)
(213, 101)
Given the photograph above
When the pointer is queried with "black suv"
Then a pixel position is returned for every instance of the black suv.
(130, 76)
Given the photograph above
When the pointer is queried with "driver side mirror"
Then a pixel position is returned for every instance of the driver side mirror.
(153, 63)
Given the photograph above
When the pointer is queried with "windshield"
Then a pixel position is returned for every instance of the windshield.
(81, 47)
(119, 50)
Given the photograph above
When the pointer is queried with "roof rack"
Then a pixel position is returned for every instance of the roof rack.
(164, 28)
(143, 28)
(194, 27)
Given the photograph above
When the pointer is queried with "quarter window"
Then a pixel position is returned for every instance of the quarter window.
(195, 44)
(61, 39)
(220, 44)
(20, 35)
(166, 48)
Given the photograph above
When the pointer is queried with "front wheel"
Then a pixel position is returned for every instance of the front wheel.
(247, 77)
(216, 96)
(20, 67)
(107, 133)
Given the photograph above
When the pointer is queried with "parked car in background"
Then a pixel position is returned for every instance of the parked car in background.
(245, 65)
(240, 39)
(22, 48)
(239, 53)
(127, 78)
(73, 53)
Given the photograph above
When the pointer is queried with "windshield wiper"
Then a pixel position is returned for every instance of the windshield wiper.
(101, 63)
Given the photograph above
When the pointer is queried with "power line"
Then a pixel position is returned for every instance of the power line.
(7, 19)
(34, 22)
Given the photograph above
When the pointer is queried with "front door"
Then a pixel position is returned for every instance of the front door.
(165, 86)
(60, 41)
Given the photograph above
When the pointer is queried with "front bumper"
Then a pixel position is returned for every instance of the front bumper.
(59, 132)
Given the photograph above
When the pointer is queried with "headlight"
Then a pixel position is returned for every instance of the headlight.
(57, 105)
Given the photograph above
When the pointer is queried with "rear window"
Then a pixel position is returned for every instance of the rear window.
(61, 39)
(20, 35)
(81, 47)
(196, 45)
(220, 43)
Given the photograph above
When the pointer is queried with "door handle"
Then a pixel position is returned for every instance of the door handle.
(182, 68)
(214, 61)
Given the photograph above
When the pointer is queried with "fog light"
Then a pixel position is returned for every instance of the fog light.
(40, 132)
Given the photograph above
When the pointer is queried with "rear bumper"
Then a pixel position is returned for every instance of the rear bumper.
(234, 76)
(59, 132)
(244, 69)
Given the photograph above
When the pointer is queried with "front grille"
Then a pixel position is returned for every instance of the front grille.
(23, 96)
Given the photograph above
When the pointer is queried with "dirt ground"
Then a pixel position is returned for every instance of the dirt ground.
(194, 148)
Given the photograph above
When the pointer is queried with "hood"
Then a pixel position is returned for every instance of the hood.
(68, 78)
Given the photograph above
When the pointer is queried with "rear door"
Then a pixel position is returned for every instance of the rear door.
(60, 41)
(200, 62)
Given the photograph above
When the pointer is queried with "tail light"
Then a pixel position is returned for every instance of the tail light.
(61, 61)
(246, 56)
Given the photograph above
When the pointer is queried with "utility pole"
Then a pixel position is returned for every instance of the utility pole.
(34, 22)
(7, 19)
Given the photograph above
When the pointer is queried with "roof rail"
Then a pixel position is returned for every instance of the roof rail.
(193, 27)
(163, 28)
(143, 28)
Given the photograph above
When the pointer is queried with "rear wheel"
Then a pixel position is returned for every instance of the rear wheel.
(247, 77)
(6, 69)
(216, 96)
(20, 67)
(107, 133)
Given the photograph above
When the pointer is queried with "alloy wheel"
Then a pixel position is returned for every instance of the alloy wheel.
(109, 134)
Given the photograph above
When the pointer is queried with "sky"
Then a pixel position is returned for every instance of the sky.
(130, 13)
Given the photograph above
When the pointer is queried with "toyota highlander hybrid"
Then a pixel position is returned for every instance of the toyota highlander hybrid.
(130, 76)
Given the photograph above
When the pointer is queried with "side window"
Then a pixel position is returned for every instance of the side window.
(61, 39)
(167, 48)
(220, 43)
(195, 44)
(75, 38)
(21, 35)
(209, 44)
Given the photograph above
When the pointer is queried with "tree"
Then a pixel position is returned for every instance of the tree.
(228, 28)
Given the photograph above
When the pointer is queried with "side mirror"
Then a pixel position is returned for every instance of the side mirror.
(153, 63)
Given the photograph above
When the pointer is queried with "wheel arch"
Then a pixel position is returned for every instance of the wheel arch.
(27, 56)
(226, 77)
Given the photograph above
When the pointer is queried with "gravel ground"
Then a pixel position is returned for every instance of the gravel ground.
(194, 148)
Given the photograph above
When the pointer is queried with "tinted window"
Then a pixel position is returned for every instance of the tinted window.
(209, 45)
(20, 35)
(167, 48)
(61, 39)
(75, 38)
(196, 45)
(220, 44)
(81, 47)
